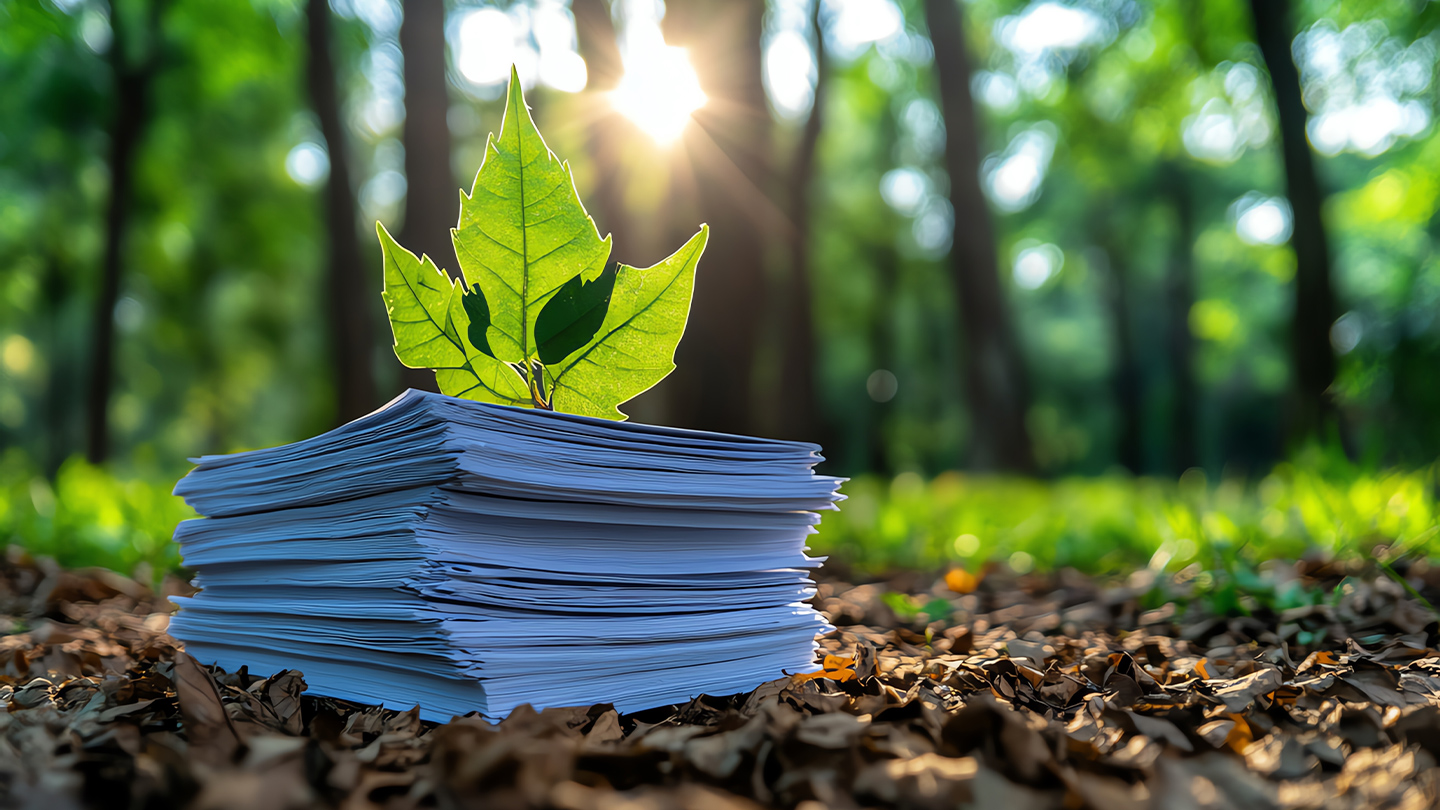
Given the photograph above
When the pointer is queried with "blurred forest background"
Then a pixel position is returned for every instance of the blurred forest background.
(1019, 236)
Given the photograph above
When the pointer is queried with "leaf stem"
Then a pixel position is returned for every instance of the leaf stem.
(537, 386)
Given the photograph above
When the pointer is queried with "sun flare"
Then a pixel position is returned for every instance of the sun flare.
(659, 91)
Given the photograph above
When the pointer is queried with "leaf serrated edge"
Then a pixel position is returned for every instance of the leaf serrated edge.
(699, 240)
(450, 331)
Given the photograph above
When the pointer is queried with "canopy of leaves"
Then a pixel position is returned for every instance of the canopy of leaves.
(220, 348)
(542, 319)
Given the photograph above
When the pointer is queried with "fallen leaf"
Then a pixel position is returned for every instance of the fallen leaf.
(207, 726)
(961, 581)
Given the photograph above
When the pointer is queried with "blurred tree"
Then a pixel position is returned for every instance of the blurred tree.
(135, 58)
(995, 381)
(52, 121)
(1179, 339)
(598, 45)
(1147, 130)
(729, 161)
(348, 291)
(855, 266)
(1125, 375)
(882, 455)
(430, 193)
(800, 418)
(1311, 353)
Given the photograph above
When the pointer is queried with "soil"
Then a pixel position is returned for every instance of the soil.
(1035, 693)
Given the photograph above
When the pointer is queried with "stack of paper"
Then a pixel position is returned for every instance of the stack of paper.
(474, 557)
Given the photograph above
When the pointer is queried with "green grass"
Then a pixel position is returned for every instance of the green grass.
(1188, 541)
(1115, 524)
(1203, 539)
(87, 515)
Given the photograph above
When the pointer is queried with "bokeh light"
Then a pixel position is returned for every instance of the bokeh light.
(660, 89)
(1036, 264)
(538, 39)
(308, 164)
(1364, 87)
(1261, 220)
(857, 23)
(1013, 178)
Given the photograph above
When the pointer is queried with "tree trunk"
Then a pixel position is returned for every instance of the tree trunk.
(995, 384)
(800, 418)
(1311, 353)
(595, 31)
(882, 342)
(728, 151)
(60, 399)
(432, 201)
(348, 287)
(600, 48)
(1179, 341)
(132, 87)
(1125, 377)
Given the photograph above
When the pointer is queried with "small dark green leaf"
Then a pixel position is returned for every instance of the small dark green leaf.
(573, 316)
(479, 311)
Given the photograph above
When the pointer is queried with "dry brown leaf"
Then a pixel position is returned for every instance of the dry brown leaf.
(926, 782)
(207, 726)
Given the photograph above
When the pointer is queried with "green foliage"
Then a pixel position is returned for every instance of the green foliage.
(635, 346)
(523, 232)
(1186, 538)
(219, 347)
(433, 327)
(89, 516)
(917, 608)
(541, 320)
(1218, 536)
(220, 350)
(1228, 547)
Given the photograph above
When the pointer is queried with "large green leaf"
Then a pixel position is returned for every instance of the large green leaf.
(523, 232)
(542, 320)
(635, 346)
(430, 324)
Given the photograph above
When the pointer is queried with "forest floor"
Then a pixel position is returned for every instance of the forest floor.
(1038, 693)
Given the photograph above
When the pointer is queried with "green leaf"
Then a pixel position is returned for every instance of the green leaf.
(573, 316)
(429, 321)
(478, 310)
(635, 346)
(523, 232)
(543, 319)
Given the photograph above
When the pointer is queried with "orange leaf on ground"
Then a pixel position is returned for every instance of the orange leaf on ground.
(961, 581)
(1241, 735)
(828, 674)
(835, 668)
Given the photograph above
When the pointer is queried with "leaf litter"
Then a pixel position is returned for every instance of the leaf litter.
(1058, 693)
